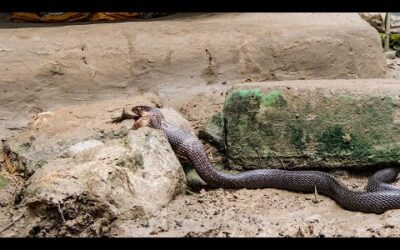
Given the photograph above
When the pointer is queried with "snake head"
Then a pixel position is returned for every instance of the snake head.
(148, 116)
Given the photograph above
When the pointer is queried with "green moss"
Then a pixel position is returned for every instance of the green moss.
(386, 154)
(274, 99)
(296, 136)
(243, 94)
(218, 120)
(3, 182)
(336, 141)
(357, 129)
(347, 99)
(243, 101)
(394, 40)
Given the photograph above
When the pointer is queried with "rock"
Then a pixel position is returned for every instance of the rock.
(51, 134)
(213, 131)
(395, 22)
(391, 54)
(320, 123)
(122, 178)
(376, 20)
(51, 67)
(176, 119)
(193, 180)
(161, 176)
(81, 146)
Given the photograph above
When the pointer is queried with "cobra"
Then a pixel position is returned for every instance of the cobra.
(378, 196)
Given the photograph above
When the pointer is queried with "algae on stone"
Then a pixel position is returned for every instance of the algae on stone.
(284, 128)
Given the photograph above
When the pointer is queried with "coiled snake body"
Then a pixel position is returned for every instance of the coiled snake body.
(378, 197)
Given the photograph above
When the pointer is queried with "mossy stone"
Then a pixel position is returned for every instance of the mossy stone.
(287, 128)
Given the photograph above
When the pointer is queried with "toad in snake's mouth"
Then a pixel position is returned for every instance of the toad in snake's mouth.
(141, 115)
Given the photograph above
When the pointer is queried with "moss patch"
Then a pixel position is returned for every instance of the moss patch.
(292, 129)
(218, 120)
(335, 141)
(3, 182)
(296, 136)
(274, 99)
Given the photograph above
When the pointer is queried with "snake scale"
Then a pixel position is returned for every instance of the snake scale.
(378, 197)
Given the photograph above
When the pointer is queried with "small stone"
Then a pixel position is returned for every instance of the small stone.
(388, 226)
(391, 54)
(80, 147)
(346, 138)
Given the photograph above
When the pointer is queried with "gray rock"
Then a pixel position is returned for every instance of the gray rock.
(122, 178)
(213, 131)
(80, 146)
(391, 54)
(375, 19)
(176, 119)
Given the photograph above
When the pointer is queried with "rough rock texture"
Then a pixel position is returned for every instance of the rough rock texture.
(375, 19)
(80, 146)
(294, 124)
(55, 65)
(175, 118)
(120, 179)
(52, 134)
(213, 131)
(87, 171)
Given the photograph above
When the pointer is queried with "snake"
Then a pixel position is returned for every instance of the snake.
(378, 196)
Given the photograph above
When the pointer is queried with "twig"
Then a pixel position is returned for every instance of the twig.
(259, 158)
(387, 31)
(190, 192)
(59, 210)
(316, 200)
(283, 165)
(12, 223)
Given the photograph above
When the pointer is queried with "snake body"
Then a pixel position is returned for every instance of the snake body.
(378, 197)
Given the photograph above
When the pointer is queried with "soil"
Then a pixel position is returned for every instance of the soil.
(261, 213)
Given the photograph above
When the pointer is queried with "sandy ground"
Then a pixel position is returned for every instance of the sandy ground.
(261, 213)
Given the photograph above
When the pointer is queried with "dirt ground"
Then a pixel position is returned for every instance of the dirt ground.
(261, 213)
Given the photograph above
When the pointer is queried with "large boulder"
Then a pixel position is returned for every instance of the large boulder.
(120, 179)
(306, 124)
(51, 135)
(85, 171)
